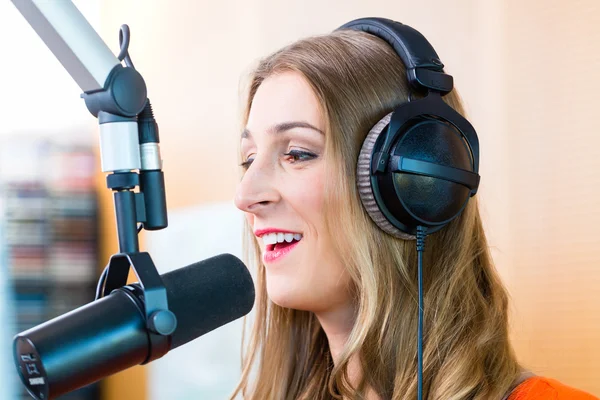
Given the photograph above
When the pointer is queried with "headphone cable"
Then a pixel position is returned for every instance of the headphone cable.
(421, 233)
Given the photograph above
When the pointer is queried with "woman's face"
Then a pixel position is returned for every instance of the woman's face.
(282, 196)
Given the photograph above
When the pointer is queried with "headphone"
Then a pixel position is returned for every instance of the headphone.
(419, 165)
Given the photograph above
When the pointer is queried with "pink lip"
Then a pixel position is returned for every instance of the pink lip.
(276, 255)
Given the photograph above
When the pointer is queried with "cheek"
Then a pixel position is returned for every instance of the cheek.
(307, 197)
(316, 278)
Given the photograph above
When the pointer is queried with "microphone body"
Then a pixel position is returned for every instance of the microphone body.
(110, 334)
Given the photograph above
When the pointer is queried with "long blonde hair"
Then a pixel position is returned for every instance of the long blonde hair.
(358, 79)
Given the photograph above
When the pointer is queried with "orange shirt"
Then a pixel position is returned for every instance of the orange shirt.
(539, 388)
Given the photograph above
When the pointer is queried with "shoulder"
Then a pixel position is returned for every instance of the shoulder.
(539, 388)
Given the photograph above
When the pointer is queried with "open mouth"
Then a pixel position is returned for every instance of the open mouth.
(283, 245)
(278, 245)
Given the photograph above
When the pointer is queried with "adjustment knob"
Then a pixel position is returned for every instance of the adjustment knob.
(162, 322)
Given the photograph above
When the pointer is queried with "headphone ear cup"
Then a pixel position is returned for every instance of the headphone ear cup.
(365, 190)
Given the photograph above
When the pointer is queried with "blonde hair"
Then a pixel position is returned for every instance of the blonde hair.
(358, 79)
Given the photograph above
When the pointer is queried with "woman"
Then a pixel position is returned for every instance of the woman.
(336, 315)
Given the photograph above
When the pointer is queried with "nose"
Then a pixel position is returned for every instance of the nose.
(257, 190)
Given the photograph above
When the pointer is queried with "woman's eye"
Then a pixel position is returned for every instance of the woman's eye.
(246, 164)
(298, 155)
(293, 155)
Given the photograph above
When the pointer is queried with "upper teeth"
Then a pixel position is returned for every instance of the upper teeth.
(280, 237)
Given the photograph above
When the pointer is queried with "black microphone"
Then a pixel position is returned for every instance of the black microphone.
(110, 334)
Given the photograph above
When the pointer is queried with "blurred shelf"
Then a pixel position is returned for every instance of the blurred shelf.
(48, 213)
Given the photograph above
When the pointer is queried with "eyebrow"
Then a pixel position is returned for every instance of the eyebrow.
(284, 126)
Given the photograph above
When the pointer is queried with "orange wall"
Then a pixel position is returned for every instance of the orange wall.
(553, 76)
(529, 72)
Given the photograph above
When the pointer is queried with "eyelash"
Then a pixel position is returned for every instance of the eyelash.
(297, 154)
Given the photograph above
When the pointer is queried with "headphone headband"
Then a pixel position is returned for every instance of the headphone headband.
(424, 68)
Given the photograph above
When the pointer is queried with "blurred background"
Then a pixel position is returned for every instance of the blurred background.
(528, 72)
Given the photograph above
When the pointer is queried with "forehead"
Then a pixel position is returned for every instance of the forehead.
(284, 97)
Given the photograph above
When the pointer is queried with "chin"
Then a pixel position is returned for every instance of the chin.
(288, 295)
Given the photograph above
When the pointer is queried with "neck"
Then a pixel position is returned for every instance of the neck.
(337, 325)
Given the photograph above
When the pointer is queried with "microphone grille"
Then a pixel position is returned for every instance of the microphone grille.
(208, 294)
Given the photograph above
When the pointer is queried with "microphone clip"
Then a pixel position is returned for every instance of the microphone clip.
(153, 302)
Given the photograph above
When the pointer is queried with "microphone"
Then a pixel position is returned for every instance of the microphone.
(110, 334)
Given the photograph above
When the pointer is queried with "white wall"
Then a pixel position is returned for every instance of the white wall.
(37, 95)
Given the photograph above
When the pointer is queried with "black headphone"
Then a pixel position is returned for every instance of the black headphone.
(423, 169)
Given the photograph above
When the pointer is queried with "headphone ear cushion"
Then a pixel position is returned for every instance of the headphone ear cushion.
(365, 191)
